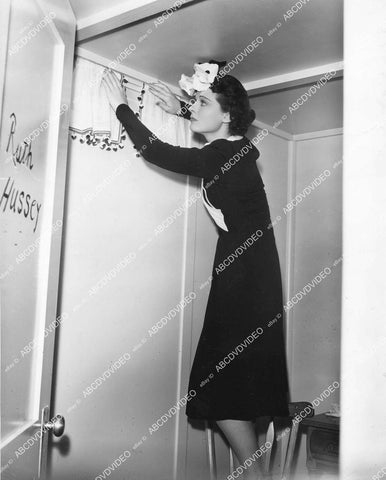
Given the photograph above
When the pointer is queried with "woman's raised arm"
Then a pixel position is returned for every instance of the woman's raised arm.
(203, 162)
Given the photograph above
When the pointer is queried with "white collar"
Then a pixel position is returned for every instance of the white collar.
(232, 138)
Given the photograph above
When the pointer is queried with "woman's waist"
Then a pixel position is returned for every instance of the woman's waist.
(244, 224)
(242, 231)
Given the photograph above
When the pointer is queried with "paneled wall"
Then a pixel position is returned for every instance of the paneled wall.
(315, 320)
(136, 277)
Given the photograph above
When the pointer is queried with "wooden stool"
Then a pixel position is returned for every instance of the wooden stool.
(304, 410)
(296, 409)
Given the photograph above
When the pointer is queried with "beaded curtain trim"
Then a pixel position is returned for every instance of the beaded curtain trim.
(101, 138)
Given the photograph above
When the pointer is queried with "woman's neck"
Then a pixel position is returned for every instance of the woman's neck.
(222, 132)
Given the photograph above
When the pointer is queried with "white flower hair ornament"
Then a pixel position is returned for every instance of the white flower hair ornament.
(203, 77)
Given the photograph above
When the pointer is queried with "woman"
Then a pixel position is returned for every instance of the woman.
(239, 370)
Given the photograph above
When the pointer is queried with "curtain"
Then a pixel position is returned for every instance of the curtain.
(94, 123)
(92, 119)
(167, 127)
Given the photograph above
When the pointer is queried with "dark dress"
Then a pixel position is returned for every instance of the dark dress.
(239, 369)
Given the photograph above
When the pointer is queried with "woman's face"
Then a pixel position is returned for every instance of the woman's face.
(207, 115)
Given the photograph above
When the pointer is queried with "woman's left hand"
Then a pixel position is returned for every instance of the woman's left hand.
(114, 90)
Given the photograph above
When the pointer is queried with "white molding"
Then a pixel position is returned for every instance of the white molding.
(289, 273)
(135, 74)
(299, 137)
(121, 15)
(184, 332)
(4, 36)
(275, 131)
(292, 79)
(317, 134)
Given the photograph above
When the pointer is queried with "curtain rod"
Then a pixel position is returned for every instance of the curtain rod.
(139, 85)
(78, 53)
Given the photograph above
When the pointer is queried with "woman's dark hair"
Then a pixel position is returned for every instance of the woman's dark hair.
(233, 98)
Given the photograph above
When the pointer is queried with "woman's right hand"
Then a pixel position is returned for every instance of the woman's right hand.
(168, 101)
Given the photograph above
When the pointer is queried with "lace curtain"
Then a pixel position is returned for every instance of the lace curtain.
(94, 123)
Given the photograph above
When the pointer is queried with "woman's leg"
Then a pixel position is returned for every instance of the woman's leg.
(242, 438)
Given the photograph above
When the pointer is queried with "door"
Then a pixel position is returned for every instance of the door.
(37, 45)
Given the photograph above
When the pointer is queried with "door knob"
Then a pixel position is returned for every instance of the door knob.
(56, 425)
(45, 425)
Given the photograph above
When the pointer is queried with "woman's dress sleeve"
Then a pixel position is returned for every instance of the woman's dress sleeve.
(203, 162)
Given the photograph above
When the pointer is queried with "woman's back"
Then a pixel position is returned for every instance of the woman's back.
(239, 189)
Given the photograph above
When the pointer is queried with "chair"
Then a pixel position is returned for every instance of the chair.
(295, 409)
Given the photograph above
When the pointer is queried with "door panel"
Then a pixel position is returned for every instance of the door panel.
(33, 150)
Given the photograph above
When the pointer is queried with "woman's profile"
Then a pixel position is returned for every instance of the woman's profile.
(239, 370)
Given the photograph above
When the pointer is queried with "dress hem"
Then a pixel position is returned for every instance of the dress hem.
(238, 417)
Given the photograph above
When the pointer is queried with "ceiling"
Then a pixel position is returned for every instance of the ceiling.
(293, 53)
